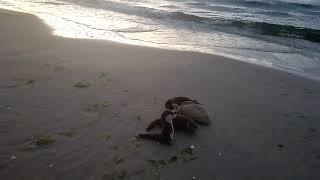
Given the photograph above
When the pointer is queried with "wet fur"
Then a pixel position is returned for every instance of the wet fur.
(190, 108)
(179, 122)
(177, 100)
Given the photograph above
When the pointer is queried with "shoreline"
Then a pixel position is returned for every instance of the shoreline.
(309, 73)
(70, 109)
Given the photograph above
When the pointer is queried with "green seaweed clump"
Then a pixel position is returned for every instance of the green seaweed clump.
(156, 166)
(82, 84)
(68, 134)
(29, 82)
(187, 154)
(44, 140)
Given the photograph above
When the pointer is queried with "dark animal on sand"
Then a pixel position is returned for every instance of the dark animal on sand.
(190, 108)
(177, 100)
(169, 122)
(196, 111)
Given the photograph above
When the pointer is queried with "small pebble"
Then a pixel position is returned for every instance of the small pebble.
(192, 146)
(193, 177)
(147, 107)
(220, 153)
(51, 165)
(280, 146)
(13, 157)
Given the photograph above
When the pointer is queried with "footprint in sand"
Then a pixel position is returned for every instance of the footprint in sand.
(55, 67)
(103, 78)
(97, 106)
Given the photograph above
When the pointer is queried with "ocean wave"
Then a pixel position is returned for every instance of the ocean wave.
(224, 8)
(276, 3)
(197, 3)
(234, 26)
(169, 6)
(276, 13)
(134, 30)
(263, 28)
(187, 17)
(303, 5)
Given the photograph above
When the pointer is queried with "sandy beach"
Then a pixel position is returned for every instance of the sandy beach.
(71, 108)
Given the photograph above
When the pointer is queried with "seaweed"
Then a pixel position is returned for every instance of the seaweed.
(29, 82)
(44, 140)
(187, 154)
(97, 107)
(17, 82)
(155, 168)
(68, 134)
(82, 84)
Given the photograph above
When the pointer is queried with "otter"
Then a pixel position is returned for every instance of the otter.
(178, 100)
(169, 122)
(190, 108)
(197, 112)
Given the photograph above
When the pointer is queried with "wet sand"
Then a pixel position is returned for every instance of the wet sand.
(70, 109)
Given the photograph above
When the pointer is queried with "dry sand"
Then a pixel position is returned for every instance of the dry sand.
(266, 123)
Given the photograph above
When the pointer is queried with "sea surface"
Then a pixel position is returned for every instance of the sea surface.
(282, 34)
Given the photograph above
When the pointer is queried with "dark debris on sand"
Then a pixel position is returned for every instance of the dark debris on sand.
(82, 84)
